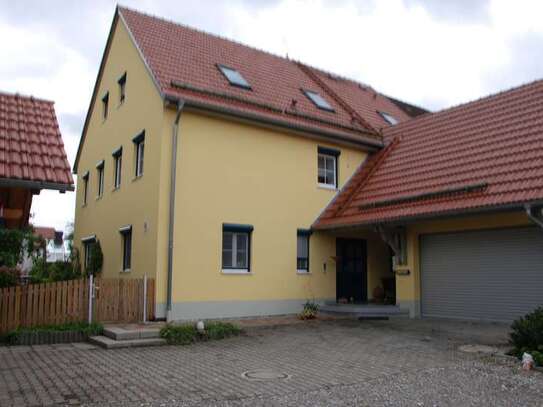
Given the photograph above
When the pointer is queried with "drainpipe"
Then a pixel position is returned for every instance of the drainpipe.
(535, 213)
(175, 130)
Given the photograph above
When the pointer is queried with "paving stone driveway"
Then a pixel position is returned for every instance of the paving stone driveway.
(318, 356)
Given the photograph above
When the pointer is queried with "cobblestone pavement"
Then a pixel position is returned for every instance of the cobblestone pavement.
(328, 363)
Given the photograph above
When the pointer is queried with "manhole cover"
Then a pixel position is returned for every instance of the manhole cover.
(478, 349)
(264, 375)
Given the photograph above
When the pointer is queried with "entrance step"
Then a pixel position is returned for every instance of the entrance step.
(124, 334)
(364, 310)
(109, 343)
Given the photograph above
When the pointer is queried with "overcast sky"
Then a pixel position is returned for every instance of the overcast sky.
(432, 53)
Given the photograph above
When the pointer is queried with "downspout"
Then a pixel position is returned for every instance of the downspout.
(175, 130)
(535, 213)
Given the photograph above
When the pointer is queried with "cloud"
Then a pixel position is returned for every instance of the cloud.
(430, 52)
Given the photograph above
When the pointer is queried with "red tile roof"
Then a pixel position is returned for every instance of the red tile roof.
(184, 62)
(47, 233)
(480, 155)
(31, 147)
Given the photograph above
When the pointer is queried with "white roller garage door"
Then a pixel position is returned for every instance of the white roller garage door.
(494, 275)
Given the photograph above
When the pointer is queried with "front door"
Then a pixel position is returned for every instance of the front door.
(351, 270)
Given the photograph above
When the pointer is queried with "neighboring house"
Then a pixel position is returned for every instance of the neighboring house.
(32, 156)
(55, 247)
(215, 168)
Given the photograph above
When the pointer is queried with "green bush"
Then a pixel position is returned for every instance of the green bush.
(527, 335)
(90, 329)
(9, 276)
(185, 334)
(14, 243)
(310, 310)
(96, 259)
(43, 272)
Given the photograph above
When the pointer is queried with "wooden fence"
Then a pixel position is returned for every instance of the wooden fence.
(115, 300)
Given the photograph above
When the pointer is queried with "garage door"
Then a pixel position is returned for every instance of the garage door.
(494, 275)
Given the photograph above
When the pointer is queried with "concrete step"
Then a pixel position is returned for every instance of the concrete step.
(372, 310)
(124, 334)
(108, 343)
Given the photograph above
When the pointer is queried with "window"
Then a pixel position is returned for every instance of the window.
(88, 245)
(118, 160)
(139, 145)
(100, 177)
(389, 118)
(234, 77)
(105, 105)
(85, 187)
(236, 248)
(302, 251)
(327, 167)
(126, 235)
(318, 100)
(122, 88)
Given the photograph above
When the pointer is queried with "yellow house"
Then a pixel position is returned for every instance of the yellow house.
(239, 180)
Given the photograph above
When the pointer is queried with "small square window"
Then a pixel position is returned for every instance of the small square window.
(327, 167)
(139, 146)
(118, 162)
(105, 105)
(122, 88)
(388, 118)
(100, 178)
(302, 251)
(126, 235)
(318, 100)
(236, 247)
(234, 77)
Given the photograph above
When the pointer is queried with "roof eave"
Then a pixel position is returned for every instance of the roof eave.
(511, 207)
(28, 184)
(367, 143)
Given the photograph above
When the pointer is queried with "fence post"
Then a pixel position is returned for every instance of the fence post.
(145, 298)
(91, 296)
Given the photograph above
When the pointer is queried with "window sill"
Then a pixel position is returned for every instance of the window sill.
(99, 197)
(137, 177)
(327, 186)
(303, 272)
(236, 271)
(84, 205)
(116, 188)
(125, 271)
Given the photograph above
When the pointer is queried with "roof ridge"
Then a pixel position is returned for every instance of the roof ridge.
(26, 96)
(463, 105)
(354, 114)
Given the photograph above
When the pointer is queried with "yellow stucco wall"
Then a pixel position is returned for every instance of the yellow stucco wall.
(408, 286)
(135, 202)
(230, 172)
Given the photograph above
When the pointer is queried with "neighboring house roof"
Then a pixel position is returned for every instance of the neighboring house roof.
(47, 233)
(486, 154)
(31, 149)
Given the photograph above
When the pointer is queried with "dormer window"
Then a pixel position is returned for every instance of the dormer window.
(388, 118)
(234, 77)
(318, 100)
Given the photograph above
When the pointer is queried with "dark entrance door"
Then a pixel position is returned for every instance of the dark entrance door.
(351, 270)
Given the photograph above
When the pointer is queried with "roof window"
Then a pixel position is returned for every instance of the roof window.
(234, 77)
(318, 100)
(389, 118)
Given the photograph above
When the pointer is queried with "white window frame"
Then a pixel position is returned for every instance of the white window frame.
(306, 235)
(140, 156)
(85, 187)
(234, 237)
(118, 168)
(326, 157)
(105, 106)
(126, 236)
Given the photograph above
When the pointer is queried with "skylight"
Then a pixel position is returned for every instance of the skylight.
(389, 118)
(234, 77)
(319, 101)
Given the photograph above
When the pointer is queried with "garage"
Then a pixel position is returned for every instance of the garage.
(493, 275)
